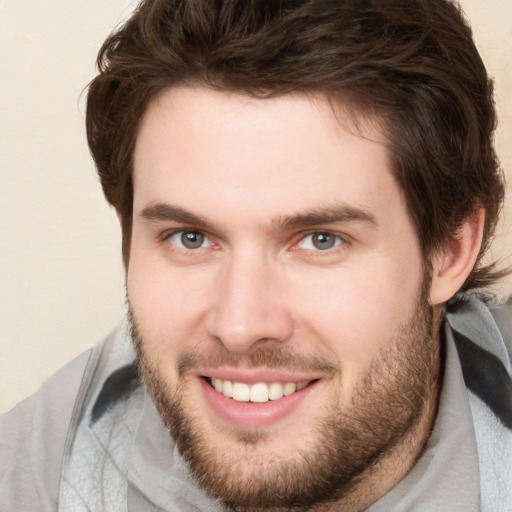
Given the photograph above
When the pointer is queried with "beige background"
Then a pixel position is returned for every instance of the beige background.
(61, 278)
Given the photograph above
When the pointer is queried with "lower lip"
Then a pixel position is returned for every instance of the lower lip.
(252, 415)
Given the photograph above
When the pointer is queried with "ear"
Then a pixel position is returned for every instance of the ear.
(457, 258)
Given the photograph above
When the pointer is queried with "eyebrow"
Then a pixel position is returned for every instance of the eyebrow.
(327, 215)
(162, 212)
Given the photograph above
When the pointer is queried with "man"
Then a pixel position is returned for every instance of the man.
(302, 188)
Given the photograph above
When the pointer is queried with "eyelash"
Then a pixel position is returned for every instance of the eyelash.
(338, 240)
(168, 235)
(341, 242)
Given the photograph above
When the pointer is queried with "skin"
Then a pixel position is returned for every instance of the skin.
(258, 178)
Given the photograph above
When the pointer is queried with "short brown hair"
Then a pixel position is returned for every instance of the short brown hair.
(413, 62)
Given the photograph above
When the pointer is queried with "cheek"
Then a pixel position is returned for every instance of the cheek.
(167, 303)
(355, 314)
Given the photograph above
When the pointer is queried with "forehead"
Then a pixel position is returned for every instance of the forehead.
(208, 150)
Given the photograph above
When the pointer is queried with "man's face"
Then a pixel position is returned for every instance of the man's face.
(278, 294)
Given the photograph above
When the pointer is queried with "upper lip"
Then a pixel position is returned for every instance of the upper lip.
(254, 376)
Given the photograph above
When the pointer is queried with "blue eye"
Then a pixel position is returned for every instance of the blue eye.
(189, 239)
(320, 241)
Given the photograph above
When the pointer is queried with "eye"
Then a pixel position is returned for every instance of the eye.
(320, 241)
(189, 239)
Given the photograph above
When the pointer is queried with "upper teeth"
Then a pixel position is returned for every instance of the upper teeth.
(260, 392)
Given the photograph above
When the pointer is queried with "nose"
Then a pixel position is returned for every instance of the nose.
(249, 307)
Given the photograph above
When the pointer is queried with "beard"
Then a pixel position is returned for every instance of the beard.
(392, 397)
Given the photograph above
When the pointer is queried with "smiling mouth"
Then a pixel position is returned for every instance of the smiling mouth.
(259, 393)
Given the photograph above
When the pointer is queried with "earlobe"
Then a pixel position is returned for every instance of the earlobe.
(457, 258)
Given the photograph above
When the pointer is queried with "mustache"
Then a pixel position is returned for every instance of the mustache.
(275, 358)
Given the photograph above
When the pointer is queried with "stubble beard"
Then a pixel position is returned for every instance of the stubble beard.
(390, 401)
